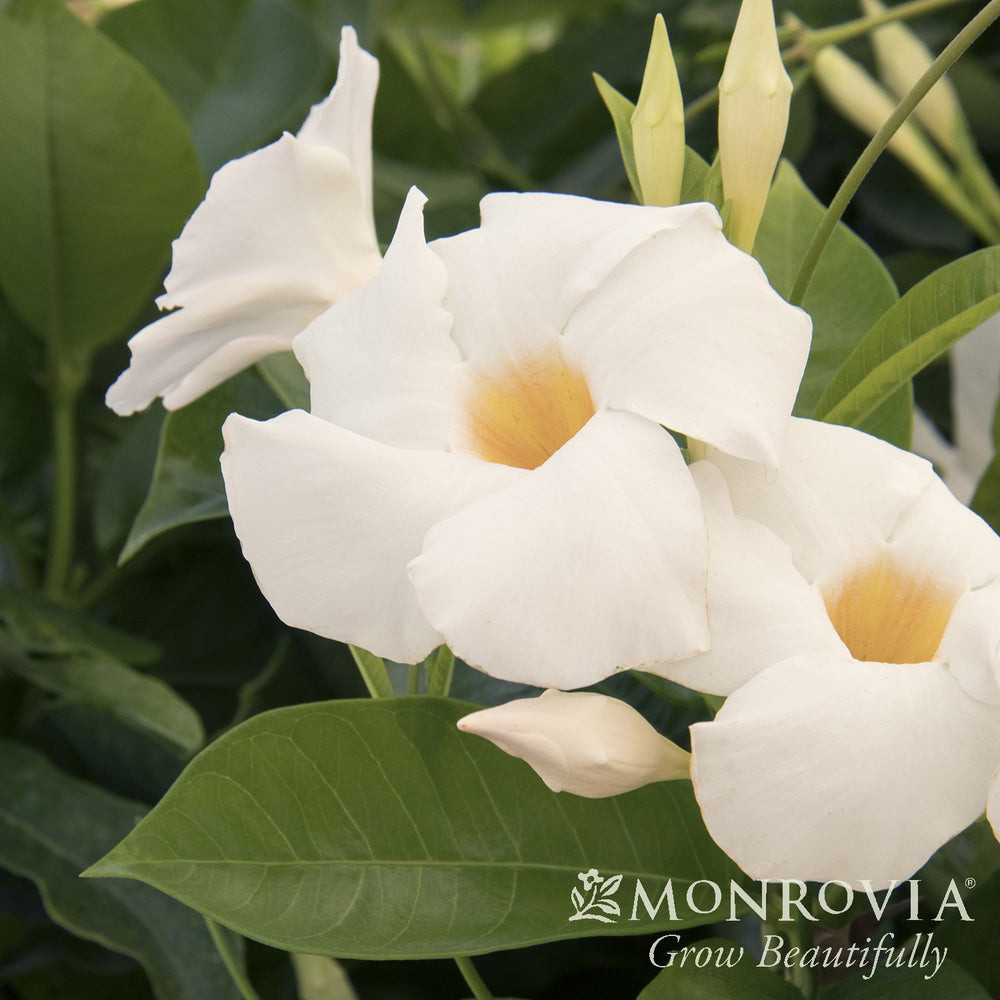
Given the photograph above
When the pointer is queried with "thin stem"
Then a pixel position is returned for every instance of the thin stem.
(413, 687)
(472, 978)
(230, 961)
(838, 33)
(64, 388)
(874, 149)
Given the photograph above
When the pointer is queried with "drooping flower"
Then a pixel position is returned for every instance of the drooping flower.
(282, 234)
(862, 727)
(581, 742)
(484, 463)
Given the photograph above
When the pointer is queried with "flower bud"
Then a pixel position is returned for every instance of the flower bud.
(902, 59)
(580, 742)
(862, 101)
(658, 124)
(755, 93)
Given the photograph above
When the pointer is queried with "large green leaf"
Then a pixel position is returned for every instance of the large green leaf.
(51, 827)
(849, 292)
(972, 944)
(925, 322)
(949, 983)
(714, 969)
(97, 175)
(376, 829)
(187, 482)
(238, 70)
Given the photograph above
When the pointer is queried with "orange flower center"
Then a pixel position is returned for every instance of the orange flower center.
(526, 413)
(887, 615)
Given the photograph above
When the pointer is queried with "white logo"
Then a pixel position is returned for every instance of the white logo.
(594, 902)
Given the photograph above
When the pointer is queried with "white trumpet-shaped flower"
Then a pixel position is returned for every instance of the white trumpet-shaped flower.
(282, 233)
(484, 464)
(855, 610)
(581, 742)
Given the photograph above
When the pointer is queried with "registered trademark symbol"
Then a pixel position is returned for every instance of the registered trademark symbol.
(970, 883)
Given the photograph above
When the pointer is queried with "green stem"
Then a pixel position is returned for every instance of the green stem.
(230, 961)
(413, 687)
(838, 33)
(874, 149)
(64, 389)
(472, 978)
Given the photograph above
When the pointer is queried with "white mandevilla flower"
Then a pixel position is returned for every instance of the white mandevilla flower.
(484, 463)
(282, 233)
(580, 742)
(854, 607)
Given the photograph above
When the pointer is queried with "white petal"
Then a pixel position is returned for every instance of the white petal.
(931, 444)
(838, 497)
(515, 280)
(328, 521)
(594, 561)
(381, 361)
(843, 770)
(993, 804)
(760, 609)
(687, 331)
(580, 742)
(344, 120)
(971, 643)
(975, 382)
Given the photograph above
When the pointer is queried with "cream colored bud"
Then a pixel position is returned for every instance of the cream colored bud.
(580, 742)
(755, 93)
(658, 124)
(902, 59)
(864, 103)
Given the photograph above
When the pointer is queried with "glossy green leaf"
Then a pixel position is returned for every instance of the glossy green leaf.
(51, 827)
(950, 982)
(238, 70)
(286, 379)
(97, 175)
(972, 944)
(376, 829)
(932, 316)
(373, 672)
(713, 969)
(621, 108)
(850, 291)
(187, 482)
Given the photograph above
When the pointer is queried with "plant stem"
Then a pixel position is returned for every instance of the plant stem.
(230, 961)
(64, 389)
(874, 149)
(413, 687)
(472, 978)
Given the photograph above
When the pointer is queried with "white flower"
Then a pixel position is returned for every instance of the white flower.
(282, 233)
(484, 463)
(581, 742)
(855, 612)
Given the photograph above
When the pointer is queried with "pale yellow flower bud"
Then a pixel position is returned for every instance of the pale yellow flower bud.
(755, 93)
(658, 124)
(902, 59)
(580, 742)
(864, 103)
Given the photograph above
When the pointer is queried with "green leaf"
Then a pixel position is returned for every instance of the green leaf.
(620, 109)
(51, 827)
(375, 829)
(850, 291)
(695, 179)
(932, 316)
(440, 667)
(238, 70)
(910, 984)
(96, 679)
(726, 972)
(373, 672)
(972, 944)
(286, 379)
(187, 482)
(97, 174)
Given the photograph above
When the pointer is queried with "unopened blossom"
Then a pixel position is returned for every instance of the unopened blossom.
(658, 124)
(282, 234)
(485, 462)
(581, 742)
(854, 606)
(755, 95)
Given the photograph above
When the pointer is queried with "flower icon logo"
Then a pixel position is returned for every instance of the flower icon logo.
(593, 903)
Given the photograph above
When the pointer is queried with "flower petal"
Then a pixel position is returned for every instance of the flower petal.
(971, 643)
(329, 520)
(993, 804)
(381, 361)
(760, 609)
(843, 770)
(593, 562)
(687, 331)
(515, 280)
